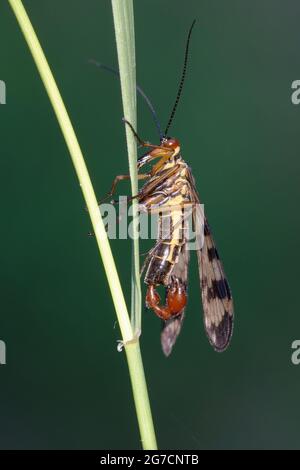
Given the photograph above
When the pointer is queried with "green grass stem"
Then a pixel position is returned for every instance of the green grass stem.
(132, 348)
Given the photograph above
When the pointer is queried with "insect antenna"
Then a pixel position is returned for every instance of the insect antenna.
(139, 90)
(182, 78)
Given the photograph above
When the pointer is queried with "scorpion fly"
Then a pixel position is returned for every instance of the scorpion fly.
(168, 190)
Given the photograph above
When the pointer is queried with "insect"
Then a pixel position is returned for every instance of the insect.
(169, 190)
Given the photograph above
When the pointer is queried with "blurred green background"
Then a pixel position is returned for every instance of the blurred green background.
(65, 385)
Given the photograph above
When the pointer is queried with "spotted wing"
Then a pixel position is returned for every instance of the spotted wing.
(216, 295)
(171, 328)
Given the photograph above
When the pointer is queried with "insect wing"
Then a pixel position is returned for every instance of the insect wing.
(169, 334)
(216, 295)
(171, 328)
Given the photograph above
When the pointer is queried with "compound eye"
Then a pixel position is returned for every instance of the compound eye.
(172, 143)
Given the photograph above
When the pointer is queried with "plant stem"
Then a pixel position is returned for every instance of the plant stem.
(131, 345)
(124, 31)
(139, 388)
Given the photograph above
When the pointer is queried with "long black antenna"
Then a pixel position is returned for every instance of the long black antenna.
(139, 90)
(182, 78)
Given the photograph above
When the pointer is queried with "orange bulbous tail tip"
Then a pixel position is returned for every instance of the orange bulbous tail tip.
(175, 302)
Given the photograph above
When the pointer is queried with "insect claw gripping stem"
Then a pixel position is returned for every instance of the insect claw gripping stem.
(140, 141)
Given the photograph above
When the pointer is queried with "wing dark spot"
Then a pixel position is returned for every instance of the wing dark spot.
(212, 253)
(227, 289)
(206, 228)
(221, 289)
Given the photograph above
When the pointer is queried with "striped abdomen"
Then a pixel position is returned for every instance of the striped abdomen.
(171, 237)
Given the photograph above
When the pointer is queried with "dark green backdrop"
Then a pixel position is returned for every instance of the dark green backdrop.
(65, 385)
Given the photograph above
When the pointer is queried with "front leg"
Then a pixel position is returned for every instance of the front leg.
(116, 181)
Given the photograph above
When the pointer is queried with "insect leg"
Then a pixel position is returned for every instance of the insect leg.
(118, 178)
(140, 141)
